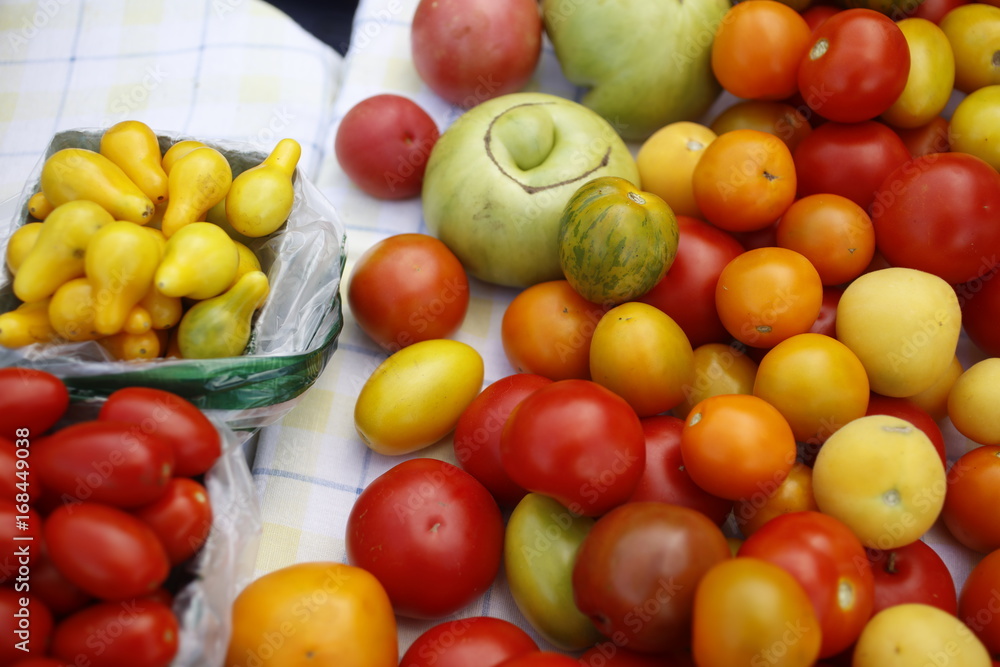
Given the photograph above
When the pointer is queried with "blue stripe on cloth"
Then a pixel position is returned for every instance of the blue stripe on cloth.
(160, 54)
(71, 66)
(271, 472)
(197, 69)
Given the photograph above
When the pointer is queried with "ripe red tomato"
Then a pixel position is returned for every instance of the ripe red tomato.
(576, 442)
(26, 626)
(408, 288)
(181, 518)
(913, 413)
(937, 213)
(934, 10)
(830, 563)
(980, 301)
(101, 461)
(816, 14)
(29, 399)
(826, 321)
(912, 573)
(430, 533)
(931, 137)
(687, 292)
(666, 480)
(59, 594)
(193, 437)
(848, 159)
(540, 659)
(20, 529)
(118, 634)
(383, 143)
(477, 434)
(483, 641)
(856, 66)
(608, 654)
(105, 551)
(979, 601)
(974, 484)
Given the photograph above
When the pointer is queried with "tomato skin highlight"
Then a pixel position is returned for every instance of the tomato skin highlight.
(149, 638)
(31, 402)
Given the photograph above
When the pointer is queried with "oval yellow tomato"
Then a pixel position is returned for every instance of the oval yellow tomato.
(975, 125)
(666, 161)
(415, 397)
(974, 33)
(931, 78)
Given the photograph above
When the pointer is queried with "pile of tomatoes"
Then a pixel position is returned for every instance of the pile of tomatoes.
(100, 518)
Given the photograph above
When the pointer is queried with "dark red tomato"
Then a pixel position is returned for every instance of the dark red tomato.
(856, 66)
(40, 662)
(118, 634)
(760, 238)
(58, 593)
(181, 518)
(540, 659)
(430, 533)
(934, 10)
(637, 569)
(609, 654)
(926, 139)
(938, 213)
(15, 477)
(851, 160)
(193, 437)
(826, 321)
(817, 14)
(20, 536)
(687, 292)
(974, 484)
(31, 401)
(480, 640)
(979, 602)
(576, 442)
(665, 479)
(477, 435)
(25, 625)
(916, 415)
(830, 563)
(100, 461)
(980, 301)
(105, 551)
(161, 595)
(913, 573)
(408, 288)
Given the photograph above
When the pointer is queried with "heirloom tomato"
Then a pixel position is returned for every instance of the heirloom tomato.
(980, 301)
(912, 413)
(832, 232)
(974, 484)
(979, 601)
(974, 128)
(794, 494)
(718, 369)
(972, 402)
(778, 118)
(483, 641)
(912, 573)
(917, 634)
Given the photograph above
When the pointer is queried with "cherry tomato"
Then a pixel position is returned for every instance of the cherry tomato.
(794, 494)
(832, 232)
(181, 518)
(829, 562)
(477, 435)
(905, 409)
(577, 442)
(540, 659)
(116, 634)
(194, 438)
(26, 625)
(937, 214)
(735, 445)
(934, 10)
(980, 301)
(687, 292)
(815, 15)
(848, 159)
(912, 573)
(974, 484)
(430, 533)
(60, 595)
(826, 321)
(105, 551)
(929, 138)
(478, 640)
(547, 330)
(780, 119)
(856, 66)
(608, 654)
(718, 369)
(408, 288)
(666, 480)
(31, 401)
(979, 601)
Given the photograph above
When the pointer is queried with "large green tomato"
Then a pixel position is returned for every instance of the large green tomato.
(498, 178)
(539, 550)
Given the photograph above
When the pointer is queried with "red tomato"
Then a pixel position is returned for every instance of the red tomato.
(926, 139)
(577, 442)
(193, 437)
(905, 409)
(477, 435)
(31, 401)
(181, 518)
(830, 563)
(665, 479)
(979, 601)
(540, 659)
(850, 160)
(980, 301)
(383, 143)
(817, 14)
(480, 640)
(25, 624)
(687, 292)
(973, 485)
(934, 10)
(937, 213)
(408, 288)
(58, 593)
(856, 66)
(826, 321)
(608, 654)
(118, 634)
(15, 477)
(430, 533)
(102, 461)
(40, 662)
(105, 551)
(20, 536)
(913, 573)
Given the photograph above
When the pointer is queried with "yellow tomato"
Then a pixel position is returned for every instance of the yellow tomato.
(975, 125)
(794, 494)
(972, 403)
(778, 118)
(935, 399)
(974, 33)
(415, 397)
(881, 476)
(666, 161)
(641, 354)
(320, 613)
(718, 369)
(20, 244)
(931, 78)
(914, 635)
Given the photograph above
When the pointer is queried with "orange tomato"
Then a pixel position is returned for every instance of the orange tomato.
(794, 494)
(832, 232)
(767, 295)
(745, 180)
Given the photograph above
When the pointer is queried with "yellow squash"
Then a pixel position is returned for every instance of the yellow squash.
(261, 198)
(21, 242)
(200, 262)
(220, 326)
(58, 252)
(120, 264)
(197, 182)
(77, 173)
(26, 325)
(133, 146)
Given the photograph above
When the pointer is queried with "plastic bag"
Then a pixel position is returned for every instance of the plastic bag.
(293, 335)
